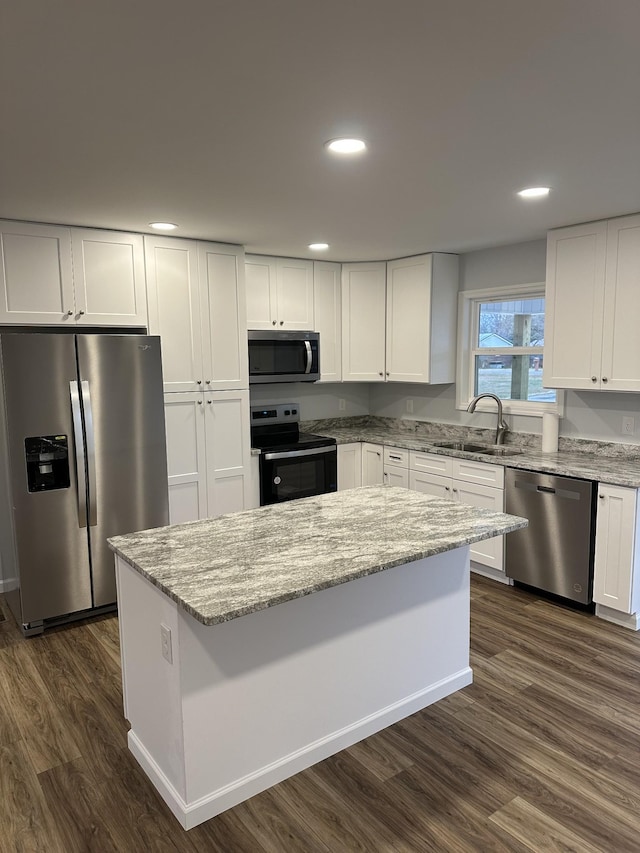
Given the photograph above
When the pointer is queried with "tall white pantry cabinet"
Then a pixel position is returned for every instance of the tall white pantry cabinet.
(197, 305)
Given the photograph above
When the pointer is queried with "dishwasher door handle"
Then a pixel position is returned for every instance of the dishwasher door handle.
(546, 489)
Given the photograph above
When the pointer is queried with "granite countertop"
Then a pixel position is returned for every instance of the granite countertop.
(222, 568)
(619, 470)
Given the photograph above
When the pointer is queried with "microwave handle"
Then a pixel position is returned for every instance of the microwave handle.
(307, 346)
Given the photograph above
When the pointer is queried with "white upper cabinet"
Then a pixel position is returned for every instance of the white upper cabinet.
(399, 320)
(327, 311)
(71, 276)
(279, 293)
(36, 274)
(223, 311)
(422, 299)
(197, 306)
(174, 310)
(592, 303)
(363, 322)
(620, 339)
(108, 278)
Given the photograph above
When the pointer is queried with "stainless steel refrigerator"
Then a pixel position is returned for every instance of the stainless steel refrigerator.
(82, 441)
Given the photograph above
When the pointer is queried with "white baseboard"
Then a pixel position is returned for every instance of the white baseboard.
(487, 572)
(6, 585)
(626, 620)
(192, 814)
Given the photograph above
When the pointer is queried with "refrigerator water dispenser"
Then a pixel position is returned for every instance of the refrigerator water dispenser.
(47, 458)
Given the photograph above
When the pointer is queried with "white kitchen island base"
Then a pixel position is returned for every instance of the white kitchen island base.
(247, 703)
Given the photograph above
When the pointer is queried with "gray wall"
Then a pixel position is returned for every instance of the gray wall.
(316, 399)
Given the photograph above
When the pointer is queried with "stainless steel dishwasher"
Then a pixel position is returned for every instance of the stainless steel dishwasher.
(555, 552)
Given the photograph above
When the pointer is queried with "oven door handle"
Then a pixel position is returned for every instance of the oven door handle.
(307, 346)
(290, 454)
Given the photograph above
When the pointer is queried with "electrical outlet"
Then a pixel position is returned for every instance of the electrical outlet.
(165, 639)
(410, 406)
(342, 404)
(628, 426)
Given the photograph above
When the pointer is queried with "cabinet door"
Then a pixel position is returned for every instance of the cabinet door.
(228, 451)
(574, 300)
(363, 322)
(186, 460)
(108, 278)
(408, 319)
(327, 312)
(36, 274)
(615, 551)
(223, 310)
(260, 279)
(349, 466)
(294, 294)
(372, 465)
(396, 476)
(489, 552)
(621, 341)
(430, 484)
(174, 310)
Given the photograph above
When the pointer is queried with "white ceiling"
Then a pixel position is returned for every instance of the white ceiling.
(213, 114)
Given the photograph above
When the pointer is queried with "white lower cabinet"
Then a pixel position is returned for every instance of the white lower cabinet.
(349, 465)
(396, 467)
(208, 454)
(469, 482)
(617, 552)
(372, 464)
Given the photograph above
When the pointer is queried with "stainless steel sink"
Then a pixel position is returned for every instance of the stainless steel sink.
(484, 449)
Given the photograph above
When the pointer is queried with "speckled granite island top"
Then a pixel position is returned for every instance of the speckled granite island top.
(222, 568)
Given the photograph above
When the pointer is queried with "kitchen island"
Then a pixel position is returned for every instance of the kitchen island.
(256, 644)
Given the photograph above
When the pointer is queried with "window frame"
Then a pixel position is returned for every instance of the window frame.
(468, 318)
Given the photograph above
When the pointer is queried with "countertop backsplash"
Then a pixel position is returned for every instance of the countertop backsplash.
(454, 432)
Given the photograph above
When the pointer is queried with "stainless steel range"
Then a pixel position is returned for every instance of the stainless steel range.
(293, 464)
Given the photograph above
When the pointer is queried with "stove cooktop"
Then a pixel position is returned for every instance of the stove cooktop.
(283, 443)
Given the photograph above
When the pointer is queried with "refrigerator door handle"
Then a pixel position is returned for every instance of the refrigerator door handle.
(81, 462)
(91, 453)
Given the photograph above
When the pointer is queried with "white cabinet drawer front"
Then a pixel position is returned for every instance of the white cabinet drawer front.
(479, 472)
(430, 463)
(396, 457)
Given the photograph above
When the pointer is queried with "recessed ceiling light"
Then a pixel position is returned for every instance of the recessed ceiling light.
(163, 226)
(318, 247)
(534, 192)
(346, 146)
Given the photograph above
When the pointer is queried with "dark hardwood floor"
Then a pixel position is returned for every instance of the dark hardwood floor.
(541, 753)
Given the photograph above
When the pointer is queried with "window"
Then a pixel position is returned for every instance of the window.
(502, 349)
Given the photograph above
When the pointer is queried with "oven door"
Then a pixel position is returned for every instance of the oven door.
(285, 475)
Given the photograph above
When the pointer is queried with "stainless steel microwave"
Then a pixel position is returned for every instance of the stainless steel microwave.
(283, 356)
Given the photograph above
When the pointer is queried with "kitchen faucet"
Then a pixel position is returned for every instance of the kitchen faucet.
(502, 427)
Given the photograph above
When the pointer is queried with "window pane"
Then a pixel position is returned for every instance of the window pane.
(518, 322)
(512, 377)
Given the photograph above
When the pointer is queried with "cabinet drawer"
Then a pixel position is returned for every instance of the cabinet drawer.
(479, 472)
(395, 456)
(430, 463)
